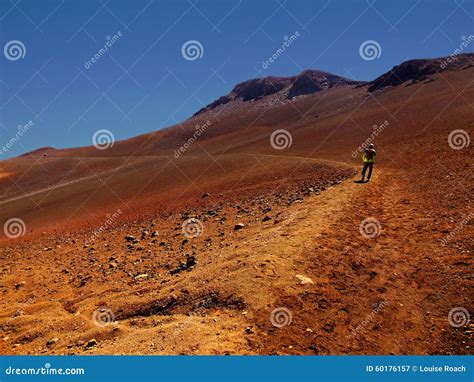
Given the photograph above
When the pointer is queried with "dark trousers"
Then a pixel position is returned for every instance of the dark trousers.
(367, 165)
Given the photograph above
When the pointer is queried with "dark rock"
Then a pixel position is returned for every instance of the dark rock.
(52, 341)
(91, 343)
(19, 285)
(187, 266)
(314, 348)
(239, 226)
(130, 237)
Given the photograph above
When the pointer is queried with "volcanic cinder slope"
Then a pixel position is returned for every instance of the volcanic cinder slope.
(105, 266)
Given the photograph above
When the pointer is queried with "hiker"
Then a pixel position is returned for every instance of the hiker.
(369, 158)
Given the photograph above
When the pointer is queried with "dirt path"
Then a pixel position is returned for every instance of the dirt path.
(345, 291)
(389, 293)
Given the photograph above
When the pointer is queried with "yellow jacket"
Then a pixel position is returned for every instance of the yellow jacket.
(373, 156)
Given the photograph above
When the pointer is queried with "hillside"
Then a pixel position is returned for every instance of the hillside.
(175, 242)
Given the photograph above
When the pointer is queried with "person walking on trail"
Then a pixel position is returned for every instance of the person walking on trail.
(369, 158)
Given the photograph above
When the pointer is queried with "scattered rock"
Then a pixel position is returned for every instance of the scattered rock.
(206, 195)
(304, 279)
(130, 238)
(91, 343)
(239, 226)
(19, 285)
(154, 234)
(142, 276)
(314, 348)
(266, 218)
(329, 327)
(52, 341)
(190, 263)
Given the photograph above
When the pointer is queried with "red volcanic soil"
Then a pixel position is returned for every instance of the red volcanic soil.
(276, 259)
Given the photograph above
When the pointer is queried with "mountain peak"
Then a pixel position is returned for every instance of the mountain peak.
(307, 82)
(311, 81)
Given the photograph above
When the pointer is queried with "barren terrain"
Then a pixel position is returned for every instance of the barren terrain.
(276, 258)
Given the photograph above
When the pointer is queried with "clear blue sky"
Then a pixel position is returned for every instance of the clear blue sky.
(143, 83)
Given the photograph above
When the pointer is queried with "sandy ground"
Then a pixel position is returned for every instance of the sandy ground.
(344, 293)
(287, 254)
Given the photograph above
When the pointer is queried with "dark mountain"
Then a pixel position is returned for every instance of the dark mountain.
(313, 81)
(307, 82)
(420, 70)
